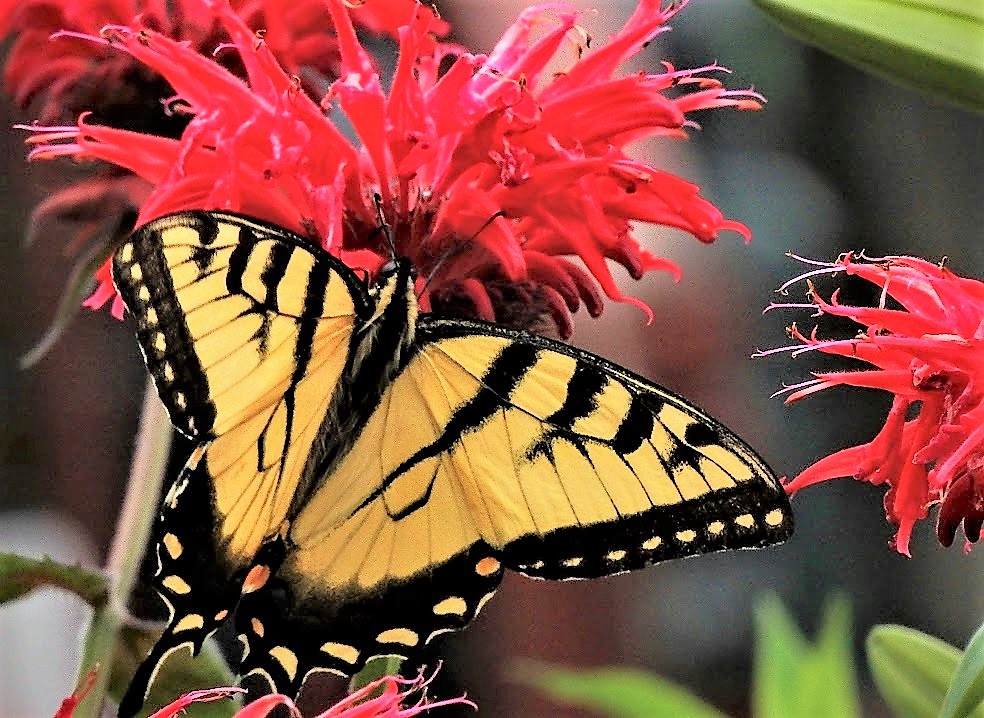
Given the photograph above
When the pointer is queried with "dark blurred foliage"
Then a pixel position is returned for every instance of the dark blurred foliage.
(837, 160)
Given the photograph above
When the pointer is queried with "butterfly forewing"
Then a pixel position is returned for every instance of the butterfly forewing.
(245, 330)
(606, 472)
(229, 313)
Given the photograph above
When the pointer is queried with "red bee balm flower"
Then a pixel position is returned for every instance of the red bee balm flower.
(68, 74)
(929, 353)
(394, 693)
(490, 175)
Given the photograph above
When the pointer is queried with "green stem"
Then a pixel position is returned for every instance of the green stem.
(129, 541)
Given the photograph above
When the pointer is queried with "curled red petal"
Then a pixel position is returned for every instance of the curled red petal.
(560, 311)
(479, 297)
(963, 502)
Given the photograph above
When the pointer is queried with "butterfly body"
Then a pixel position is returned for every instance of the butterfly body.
(365, 472)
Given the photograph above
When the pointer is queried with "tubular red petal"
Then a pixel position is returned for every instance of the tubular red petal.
(479, 296)
(929, 356)
(841, 464)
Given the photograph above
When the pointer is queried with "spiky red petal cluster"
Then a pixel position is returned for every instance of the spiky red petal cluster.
(387, 697)
(54, 67)
(494, 173)
(49, 62)
(926, 340)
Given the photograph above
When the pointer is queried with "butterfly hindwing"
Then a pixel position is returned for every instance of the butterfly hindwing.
(195, 578)
(290, 630)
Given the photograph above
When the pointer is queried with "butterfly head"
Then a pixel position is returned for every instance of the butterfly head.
(393, 292)
(394, 267)
(396, 279)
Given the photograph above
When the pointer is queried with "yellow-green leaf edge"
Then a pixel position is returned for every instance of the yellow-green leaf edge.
(933, 46)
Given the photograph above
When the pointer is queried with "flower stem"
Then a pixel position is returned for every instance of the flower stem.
(126, 552)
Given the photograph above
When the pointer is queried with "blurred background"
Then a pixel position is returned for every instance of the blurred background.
(837, 160)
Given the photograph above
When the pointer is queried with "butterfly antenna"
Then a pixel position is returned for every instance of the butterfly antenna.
(455, 249)
(384, 225)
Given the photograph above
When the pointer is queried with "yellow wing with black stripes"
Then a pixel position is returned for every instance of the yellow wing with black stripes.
(245, 330)
(496, 449)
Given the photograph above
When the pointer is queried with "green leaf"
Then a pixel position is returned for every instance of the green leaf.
(616, 692)
(834, 659)
(911, 669)
(76, 289)
(934, 46)
(180, 674)
(779, 646)
(375, 669)
(965, 695)
(19, 575)
(796, 679)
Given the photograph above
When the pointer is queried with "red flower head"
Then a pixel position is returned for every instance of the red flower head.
(397, 698)
(926, 340)
(52, 61)
(490, 175)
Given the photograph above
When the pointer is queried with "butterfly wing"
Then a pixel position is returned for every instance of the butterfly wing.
(245, 330)
(609, 472)
(494, 448)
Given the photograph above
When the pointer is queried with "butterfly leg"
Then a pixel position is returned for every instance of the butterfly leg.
(194, 579)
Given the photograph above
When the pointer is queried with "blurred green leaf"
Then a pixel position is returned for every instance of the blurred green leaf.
(779, 645)
(180, 674)
(796, 679)
(934, 46)
(375, 669)
(834, 658)
(911, 669)
(966, 691)
(19, 575)
(76, 290)
(616, 692)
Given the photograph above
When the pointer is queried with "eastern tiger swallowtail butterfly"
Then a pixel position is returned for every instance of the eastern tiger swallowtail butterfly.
(364, 474)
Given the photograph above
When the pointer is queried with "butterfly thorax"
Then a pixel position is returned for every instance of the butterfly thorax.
(382, 343)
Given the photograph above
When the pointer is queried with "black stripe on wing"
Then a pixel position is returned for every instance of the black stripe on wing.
(274, 271)
(143, 279)
(498, 382)
(586, 385)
